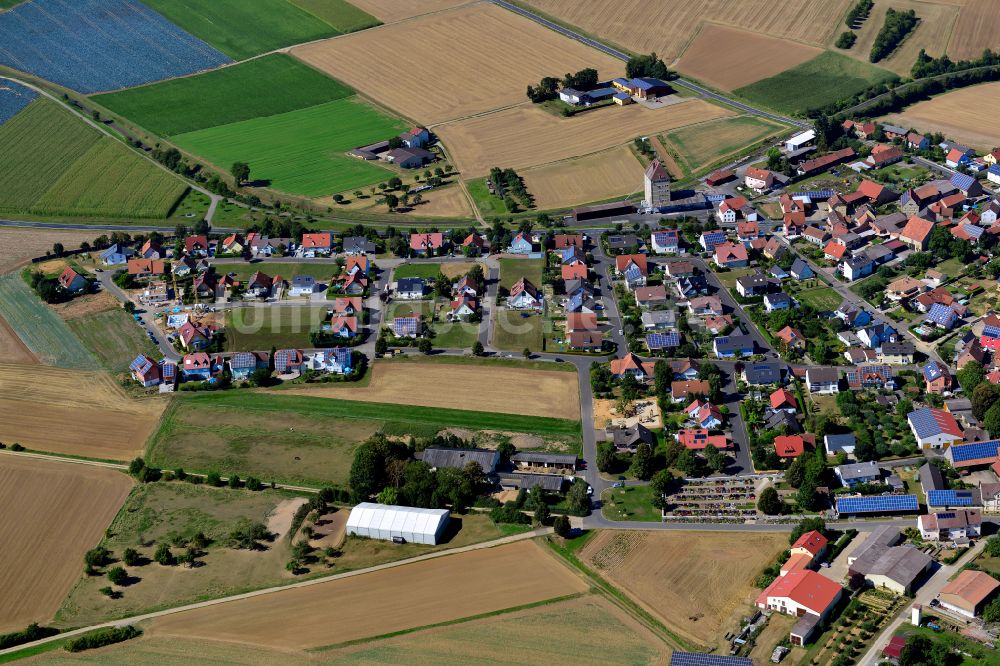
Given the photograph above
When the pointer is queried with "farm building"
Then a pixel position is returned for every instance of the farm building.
(389, 523)
(968, 592)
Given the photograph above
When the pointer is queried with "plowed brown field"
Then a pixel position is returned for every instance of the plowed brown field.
(667, 27)
(604, 175)
(12, 348)
(719, 56)
(53, 513)
(454, 63)
(483, 388)
(383, 602)
(975, 30)
(526, 136)
(656, 569)
(966, 115)
(73, 412)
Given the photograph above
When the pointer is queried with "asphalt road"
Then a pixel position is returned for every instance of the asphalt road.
(621, 55)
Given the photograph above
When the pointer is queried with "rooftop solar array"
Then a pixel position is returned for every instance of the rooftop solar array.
(663, 340)
(694, 659)
(950, 498)
(926, 424)
(404, 325)
(877, 504)
(932, 370)
(941, 315)
(141, 364)
(974, 451)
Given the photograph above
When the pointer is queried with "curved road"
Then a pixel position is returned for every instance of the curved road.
(621, 55)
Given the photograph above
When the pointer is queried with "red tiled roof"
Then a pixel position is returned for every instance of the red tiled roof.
(622, 261)
(806, 588)
(835, 250)
(782, 397)
(812, 541)
(321, 240)
(697, 439)
(917, 229)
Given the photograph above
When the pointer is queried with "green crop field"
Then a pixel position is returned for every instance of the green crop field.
(300, 439)
(113, 337)
(259, 329)
(304, 151)
(244, 28)
(53, 164)
(825, 79)
(342, 15)
(279, 83)
(38, 326)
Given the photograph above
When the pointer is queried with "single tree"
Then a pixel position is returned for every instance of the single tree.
(241, 172)
(561, 526)
(57, 248)
(542, 513)
(478, 349)
(642, 462)
(117, 575)
(769, 503)
(130, 557)
(163, 555)
(526, 353)
(425, 346)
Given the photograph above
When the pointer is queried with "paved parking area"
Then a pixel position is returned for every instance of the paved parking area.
(837, 571)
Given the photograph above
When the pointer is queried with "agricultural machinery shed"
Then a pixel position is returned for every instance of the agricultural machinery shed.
(387, 522)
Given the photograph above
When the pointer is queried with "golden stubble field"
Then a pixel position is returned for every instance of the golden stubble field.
(729, 58)
(656, 568)
(53, 513)
(479, 387)
(73, 412)
(966, 115)
(607, 174)
(976, 29)
(667, 27)
(382, 602)
(453, 63)
(525, 136)
(17, 246)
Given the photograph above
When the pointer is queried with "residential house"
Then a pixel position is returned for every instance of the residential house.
(72, 281)
(804, 594)
(789, 446)
(834, 251)
(917, 141)
(649, 297)
(857, 473)
(952, 525)
(347, 305)
(852, 315)
(871, 377)
(688, 287)
(934, 428)
(815, 236)
(426, 244)
(406, 327)
(563, 241)
(697, 439)
(823, 380)
(336, 360)
(733, 346)
(244, 364)
(778, 301)
(474, 244)
(633, 268)
(896, 353)
(629, 438)
(731, 255)
(856, 267)
(784, 400)
(666, 241)
(966, 184)
(145, 370)
(342, 326)
(524, 296)
(800, 269)
(937, 377)
(415, 137)
(625, 244)
(883, 155)
(759, 180)
(145, 268)
(683, 390)
(233, 244)
(704, 414)
(197, 246)
(941, 316)
(410, 288)
(762, 374)
(261, 285)
(709, 239)
(834, 444)
(151, 249)
(116, 255)
(521, 244)
(791, 338)
(757, 284)
(631, 364)
(679, 269)
(586, 340)
(957, 159)
(706, 305)
(904, 288)
(875, 335)
(304, 285)
(718, 324)
(197, 338)
(357, 265)
(357, 245)
(288, 361)
(198, 366)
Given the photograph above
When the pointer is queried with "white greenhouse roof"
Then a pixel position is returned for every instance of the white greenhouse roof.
(368, 516)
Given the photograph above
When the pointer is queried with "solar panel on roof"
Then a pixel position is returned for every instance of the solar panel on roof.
(877, 504)
(974, 451)
(949, 498)
(140, 364)
(663, 340)
(695, 659)
(947, 515)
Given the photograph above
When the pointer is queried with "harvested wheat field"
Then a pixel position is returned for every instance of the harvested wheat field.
(12, 348)
(389, 11)
(444, 202)
(932, 34)
(456, 63)
(95, 418)
(976, 30)
(17, 246)
(526, 136)
(386, 601)
(966, 115)
(604, 175)
(667, 27)
(718, 56)
(53, 513)
(491, 388)
(655, 569)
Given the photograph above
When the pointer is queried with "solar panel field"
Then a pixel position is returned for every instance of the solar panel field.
(301, 151)
(279, 82)
(96, 45)
(53, 164)
(244, 28)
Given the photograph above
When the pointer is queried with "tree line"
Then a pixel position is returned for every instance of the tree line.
(858, 13)
(509, 186)
(651, 66)
(926, 65)
(548, 87)
(898, 24)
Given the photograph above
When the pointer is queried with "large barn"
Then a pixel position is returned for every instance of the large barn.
(387, 522)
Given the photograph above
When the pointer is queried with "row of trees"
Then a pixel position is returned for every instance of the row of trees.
(647, 66)
(898, 24)
(926, 65)
(509, 186)
(548, 87)
(858, 13)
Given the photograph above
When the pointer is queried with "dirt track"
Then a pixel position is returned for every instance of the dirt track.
(73, 412)
(53, 513)
(472, 387)
(385, 601)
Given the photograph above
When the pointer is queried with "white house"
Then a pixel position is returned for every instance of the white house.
(950, 525)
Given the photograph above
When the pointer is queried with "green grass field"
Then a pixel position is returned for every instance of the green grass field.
(630, 503)
(342, 15)
(455, 335)
(825, 79)
(40, 328)
(824, 299)
(250, 329)
(512, 270)
(286, 270)
(303, 151)
(279, 82)
(306, 440)
(426, 271)
(244, 28)
(113, 337)
(514, 332)
(485, 202)
(700, 146)
(53, 164)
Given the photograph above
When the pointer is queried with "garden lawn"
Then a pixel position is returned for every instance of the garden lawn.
(729, 278)
(342, 15)
(303, 151)
(113, 337)
(512, 270)
(455, 335)
(814, 84)
(244, 28)
(279, 82)
(515, 332)
(426, 271)
(259, 329)
(630, 503)
(824, 299)
(287, 271)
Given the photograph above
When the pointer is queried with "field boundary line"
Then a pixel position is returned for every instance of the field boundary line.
(446, 623)
(502, 541)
